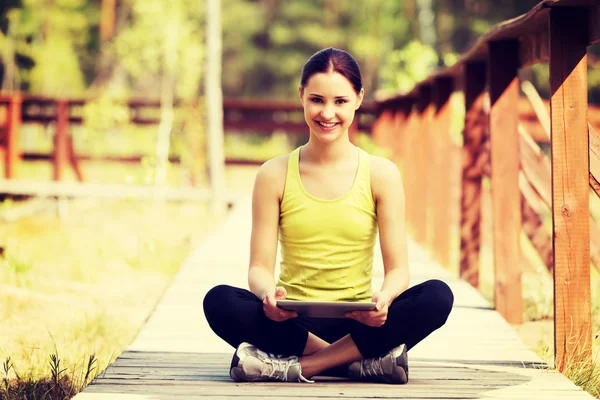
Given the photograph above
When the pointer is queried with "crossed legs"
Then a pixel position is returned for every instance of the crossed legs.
(236, 316)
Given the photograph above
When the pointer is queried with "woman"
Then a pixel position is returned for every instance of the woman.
(325, 202)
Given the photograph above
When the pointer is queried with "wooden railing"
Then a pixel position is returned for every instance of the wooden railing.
(416, 125)
(241, 115)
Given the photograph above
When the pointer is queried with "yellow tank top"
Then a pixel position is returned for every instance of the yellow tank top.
(327, 245)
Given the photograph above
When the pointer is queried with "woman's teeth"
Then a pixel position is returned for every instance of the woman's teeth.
(327, 125)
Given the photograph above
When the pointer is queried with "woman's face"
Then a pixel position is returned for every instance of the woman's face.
(329, 102)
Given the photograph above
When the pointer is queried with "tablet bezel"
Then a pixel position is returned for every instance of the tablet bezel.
(324, 309)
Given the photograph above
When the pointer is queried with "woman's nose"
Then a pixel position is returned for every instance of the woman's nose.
(327, 113)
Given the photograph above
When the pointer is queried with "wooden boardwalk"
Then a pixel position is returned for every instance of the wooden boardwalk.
(476, 355)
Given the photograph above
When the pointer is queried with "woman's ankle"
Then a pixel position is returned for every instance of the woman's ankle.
(309, 368)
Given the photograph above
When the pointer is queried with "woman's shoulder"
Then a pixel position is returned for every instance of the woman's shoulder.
(383, 172)
(382, 167)
(273, 173)
(275, 166)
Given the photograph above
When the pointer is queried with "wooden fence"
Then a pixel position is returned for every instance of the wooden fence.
(416, 125)
(241, 115)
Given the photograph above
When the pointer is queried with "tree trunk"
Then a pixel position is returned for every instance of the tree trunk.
(166, 96)
(214, 105)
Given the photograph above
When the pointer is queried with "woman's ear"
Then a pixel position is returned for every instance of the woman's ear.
(359, 98)
(301, 93)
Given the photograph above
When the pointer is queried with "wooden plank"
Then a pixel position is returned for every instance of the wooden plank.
(441, 203)
(538, 106)
(536, 167)
(402, 131)
(534, 48)
(13, 127)
(570, 186)
(422, 182)
(533, 226)
(529, 193)
(114, 191)
(383, 129)
(506, 196)
(594, 143)
(61, 139)
(474, 159)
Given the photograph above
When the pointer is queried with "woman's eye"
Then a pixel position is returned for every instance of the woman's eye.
(341, 101)
(315, 100)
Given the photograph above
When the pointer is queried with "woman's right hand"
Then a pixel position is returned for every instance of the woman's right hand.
(270, 305)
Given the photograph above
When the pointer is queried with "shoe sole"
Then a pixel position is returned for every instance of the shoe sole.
(402, 362)
(236, 373)
(402, 377)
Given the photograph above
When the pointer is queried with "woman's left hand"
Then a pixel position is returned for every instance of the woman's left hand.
(377, 317)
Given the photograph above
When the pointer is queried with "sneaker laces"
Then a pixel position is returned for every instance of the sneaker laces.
(371, 367)
(277, 368)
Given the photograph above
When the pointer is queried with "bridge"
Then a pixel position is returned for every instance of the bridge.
(477, 354)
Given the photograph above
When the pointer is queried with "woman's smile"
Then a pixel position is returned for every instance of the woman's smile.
(327, 126)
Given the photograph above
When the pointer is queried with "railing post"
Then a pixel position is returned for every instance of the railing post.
(441, 204)
(382, 128)
(474, 160)
(61, 140)
(13, 126)
(506, 197)
(402, 114)
(570, 185)
(421, 166)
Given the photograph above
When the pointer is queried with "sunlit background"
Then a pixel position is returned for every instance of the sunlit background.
(78, 276)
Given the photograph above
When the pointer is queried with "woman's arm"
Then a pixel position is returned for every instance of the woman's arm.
(388, 193)
(266, 197)
(265, 227)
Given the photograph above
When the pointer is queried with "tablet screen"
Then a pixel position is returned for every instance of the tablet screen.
(324, 309)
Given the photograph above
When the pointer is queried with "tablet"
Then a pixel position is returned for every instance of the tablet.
(324, 309)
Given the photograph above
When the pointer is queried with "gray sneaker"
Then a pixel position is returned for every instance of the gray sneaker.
(249, 364)
(390, 368)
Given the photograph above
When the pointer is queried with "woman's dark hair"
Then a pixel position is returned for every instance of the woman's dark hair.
(334, 60)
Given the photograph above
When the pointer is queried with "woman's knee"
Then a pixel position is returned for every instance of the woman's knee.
(441, 299)
(214, 300)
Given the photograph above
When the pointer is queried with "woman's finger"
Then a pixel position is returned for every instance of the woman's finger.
(280, 293)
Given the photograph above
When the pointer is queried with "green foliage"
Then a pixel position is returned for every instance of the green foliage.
(407, 66)
(55, 40)
(163, 37)
(14, 271)
(265, 43)
(366, 143)
(104, 114)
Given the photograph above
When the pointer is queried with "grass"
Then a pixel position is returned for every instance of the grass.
(76, 288)
(82, 286)
(59, 385)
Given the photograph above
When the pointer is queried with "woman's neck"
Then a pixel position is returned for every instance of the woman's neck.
(327, 153)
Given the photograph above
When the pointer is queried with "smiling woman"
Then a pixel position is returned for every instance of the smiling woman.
(331, 92)
(326, 202)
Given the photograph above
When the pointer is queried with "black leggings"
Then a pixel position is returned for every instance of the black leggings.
(236, 315)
